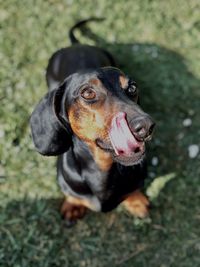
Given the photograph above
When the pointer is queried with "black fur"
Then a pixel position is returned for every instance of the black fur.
(78, 173)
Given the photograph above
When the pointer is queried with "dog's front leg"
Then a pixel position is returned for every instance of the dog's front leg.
(137, 204)
(73, 209)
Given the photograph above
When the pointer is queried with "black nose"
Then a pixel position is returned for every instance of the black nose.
(142, 127)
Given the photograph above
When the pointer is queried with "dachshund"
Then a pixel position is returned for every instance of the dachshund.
(90, 118)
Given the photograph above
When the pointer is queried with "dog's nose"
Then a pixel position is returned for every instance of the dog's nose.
(142, 127)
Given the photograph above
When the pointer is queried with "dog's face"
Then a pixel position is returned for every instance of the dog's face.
(103, 112)
(100, 108)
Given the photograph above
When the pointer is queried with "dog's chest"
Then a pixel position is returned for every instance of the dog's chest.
(105, 190)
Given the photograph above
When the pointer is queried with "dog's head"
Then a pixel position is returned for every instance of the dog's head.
(100, 108)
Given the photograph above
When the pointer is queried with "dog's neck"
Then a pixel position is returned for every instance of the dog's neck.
(102, 159)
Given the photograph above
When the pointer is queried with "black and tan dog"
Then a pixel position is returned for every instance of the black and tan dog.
(91, 119)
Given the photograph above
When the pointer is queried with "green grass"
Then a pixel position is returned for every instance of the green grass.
(156, 42)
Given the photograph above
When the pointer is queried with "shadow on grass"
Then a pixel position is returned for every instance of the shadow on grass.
(168, 91)
(34, 234)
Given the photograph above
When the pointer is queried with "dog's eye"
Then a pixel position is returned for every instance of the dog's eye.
(88, 93)
(131, 89)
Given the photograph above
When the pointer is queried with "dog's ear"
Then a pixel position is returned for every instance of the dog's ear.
(51, 133)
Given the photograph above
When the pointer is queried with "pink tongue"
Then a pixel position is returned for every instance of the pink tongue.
(121, 137)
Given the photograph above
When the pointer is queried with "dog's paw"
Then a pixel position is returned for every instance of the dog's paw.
(137, 204)
(72, 212)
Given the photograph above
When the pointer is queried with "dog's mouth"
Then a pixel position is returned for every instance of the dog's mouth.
(122, 144)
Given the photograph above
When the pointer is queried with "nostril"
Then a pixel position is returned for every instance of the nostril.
(140, 131)
(143, 128)
(137, 149)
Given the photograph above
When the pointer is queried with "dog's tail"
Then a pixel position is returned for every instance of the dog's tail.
(78, 25)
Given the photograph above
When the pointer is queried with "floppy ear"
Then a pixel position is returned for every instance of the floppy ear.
(51, 133)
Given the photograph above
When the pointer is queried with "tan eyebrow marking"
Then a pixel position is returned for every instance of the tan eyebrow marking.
(123, 81)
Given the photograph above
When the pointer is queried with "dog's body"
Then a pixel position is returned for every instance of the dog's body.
(69, 60)
(79, 57)
(90, 118)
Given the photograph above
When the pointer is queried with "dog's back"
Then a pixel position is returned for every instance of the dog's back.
(75, 58)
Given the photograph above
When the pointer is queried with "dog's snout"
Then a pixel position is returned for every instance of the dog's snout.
(142, 128)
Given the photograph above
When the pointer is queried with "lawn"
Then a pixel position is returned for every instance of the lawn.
(158, 44)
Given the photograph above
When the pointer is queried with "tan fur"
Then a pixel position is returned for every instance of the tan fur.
(74, 208)
(123, 81)
(93, 122)
(89, 124)
(137, 204)
(103, 159)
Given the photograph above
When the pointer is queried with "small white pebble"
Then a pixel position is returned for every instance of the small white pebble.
(154, 161)
(193, 151)
(135, 48)
(1, 133)
(187, 122)
(112, 38)
(154, 54)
